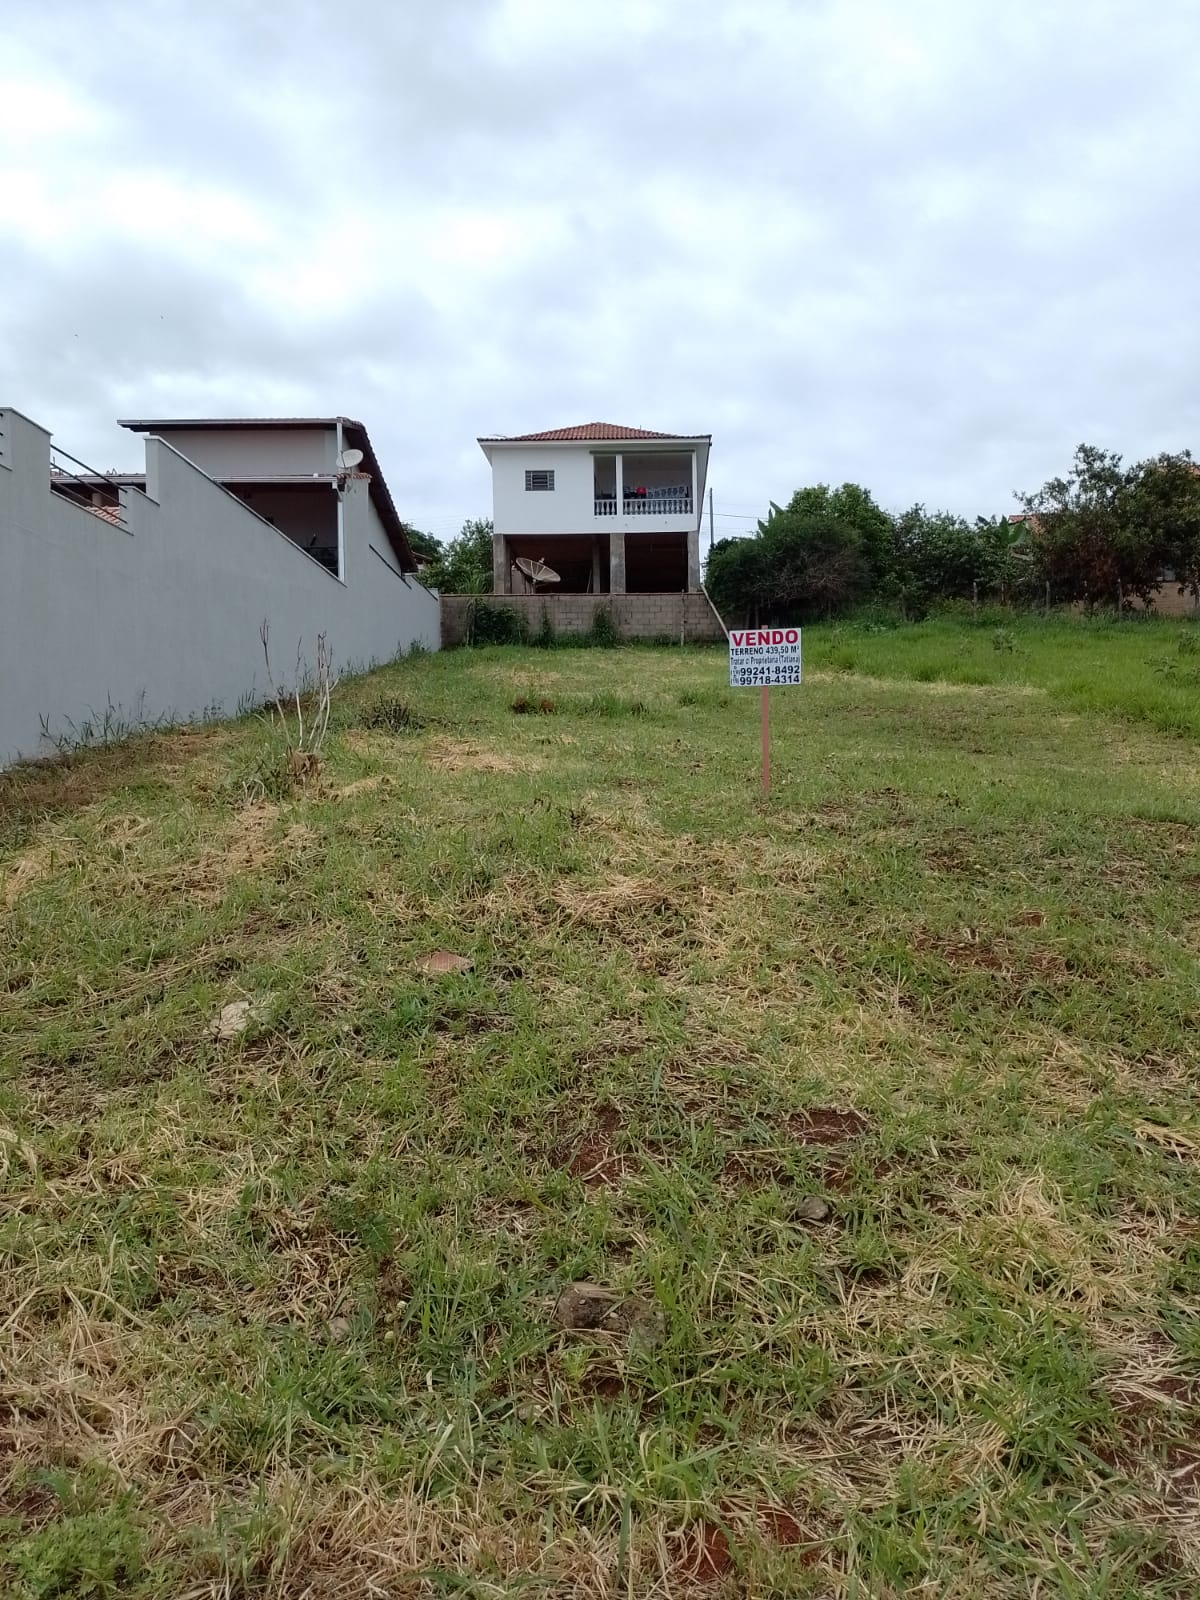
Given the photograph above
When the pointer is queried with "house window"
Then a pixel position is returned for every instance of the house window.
(539, 480)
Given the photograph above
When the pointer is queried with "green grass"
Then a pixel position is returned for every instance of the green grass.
(1143, 669)
(277, 1310)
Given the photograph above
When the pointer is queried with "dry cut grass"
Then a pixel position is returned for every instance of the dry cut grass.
(871, 1110)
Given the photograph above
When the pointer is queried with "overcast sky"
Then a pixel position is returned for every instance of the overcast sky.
(928, 247)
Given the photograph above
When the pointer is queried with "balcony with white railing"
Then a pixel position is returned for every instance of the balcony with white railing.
(676, 502)
(646, 485)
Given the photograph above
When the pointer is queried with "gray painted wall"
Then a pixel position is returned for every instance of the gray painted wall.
(160, 617)
(266, 451)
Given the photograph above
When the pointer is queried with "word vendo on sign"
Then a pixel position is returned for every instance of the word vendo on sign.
(761, 657)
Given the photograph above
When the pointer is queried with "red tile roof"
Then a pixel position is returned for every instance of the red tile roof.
(585, 430)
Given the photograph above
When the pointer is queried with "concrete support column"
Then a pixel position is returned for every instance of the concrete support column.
(693, 561)
(596, 574)
(616, 561)
(693, 533)
(501, 565)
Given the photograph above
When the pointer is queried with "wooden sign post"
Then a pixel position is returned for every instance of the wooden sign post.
(760, 657)
(766, 738)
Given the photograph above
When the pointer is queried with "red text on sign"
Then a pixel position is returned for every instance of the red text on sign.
(756, 636)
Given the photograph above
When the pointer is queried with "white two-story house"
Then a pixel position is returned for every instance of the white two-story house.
(610, 510)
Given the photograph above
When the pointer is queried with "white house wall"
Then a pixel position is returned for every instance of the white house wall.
(570, 507)
(161, 619)
(567, 508)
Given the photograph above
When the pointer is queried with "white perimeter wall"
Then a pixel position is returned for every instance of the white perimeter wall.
(161, 619)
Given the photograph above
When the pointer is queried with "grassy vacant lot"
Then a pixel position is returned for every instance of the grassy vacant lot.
(876, 1108)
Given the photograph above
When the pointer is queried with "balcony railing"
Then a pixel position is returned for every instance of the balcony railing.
(89, 490)
(654, 503)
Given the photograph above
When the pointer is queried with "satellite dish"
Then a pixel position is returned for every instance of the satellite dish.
(348, 460)
(536, 571)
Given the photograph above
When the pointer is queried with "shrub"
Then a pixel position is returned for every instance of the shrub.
(544, 638)
(603, 630)
(611, 705)
(391, 715)
(495, 625)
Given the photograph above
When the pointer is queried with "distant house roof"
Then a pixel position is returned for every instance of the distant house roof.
(586, 430)
(356, 437)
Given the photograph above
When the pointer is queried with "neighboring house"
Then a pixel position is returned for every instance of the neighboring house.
(293, 472)
(133, 598)
(611, 510)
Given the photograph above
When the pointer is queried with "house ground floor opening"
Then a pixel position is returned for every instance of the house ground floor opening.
(629, 563)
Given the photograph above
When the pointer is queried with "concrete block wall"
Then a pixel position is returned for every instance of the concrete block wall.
(635, 616)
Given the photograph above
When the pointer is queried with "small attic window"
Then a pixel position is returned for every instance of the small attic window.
(539, 480)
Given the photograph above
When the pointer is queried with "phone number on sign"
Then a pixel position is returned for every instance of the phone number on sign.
(750, 677)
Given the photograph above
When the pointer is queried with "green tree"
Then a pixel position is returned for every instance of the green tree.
(465, 565)
(1165, 498)
(854, 507)
(1090, 533)
(809, 559)
(424, 545)
(940, 556)
(736, 577)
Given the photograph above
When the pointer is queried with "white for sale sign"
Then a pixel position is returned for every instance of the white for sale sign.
(762, 657)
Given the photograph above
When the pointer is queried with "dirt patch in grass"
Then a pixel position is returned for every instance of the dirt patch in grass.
(756, 1169)
(596, 1164)
(603, 1383)
(779, 1525)
(707, 1557)
(975, 951)
(826, 1125)
(593, 1159)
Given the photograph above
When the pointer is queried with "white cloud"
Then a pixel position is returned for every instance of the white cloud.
(927, 247)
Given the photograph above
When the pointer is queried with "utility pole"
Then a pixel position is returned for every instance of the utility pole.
(710, 520)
